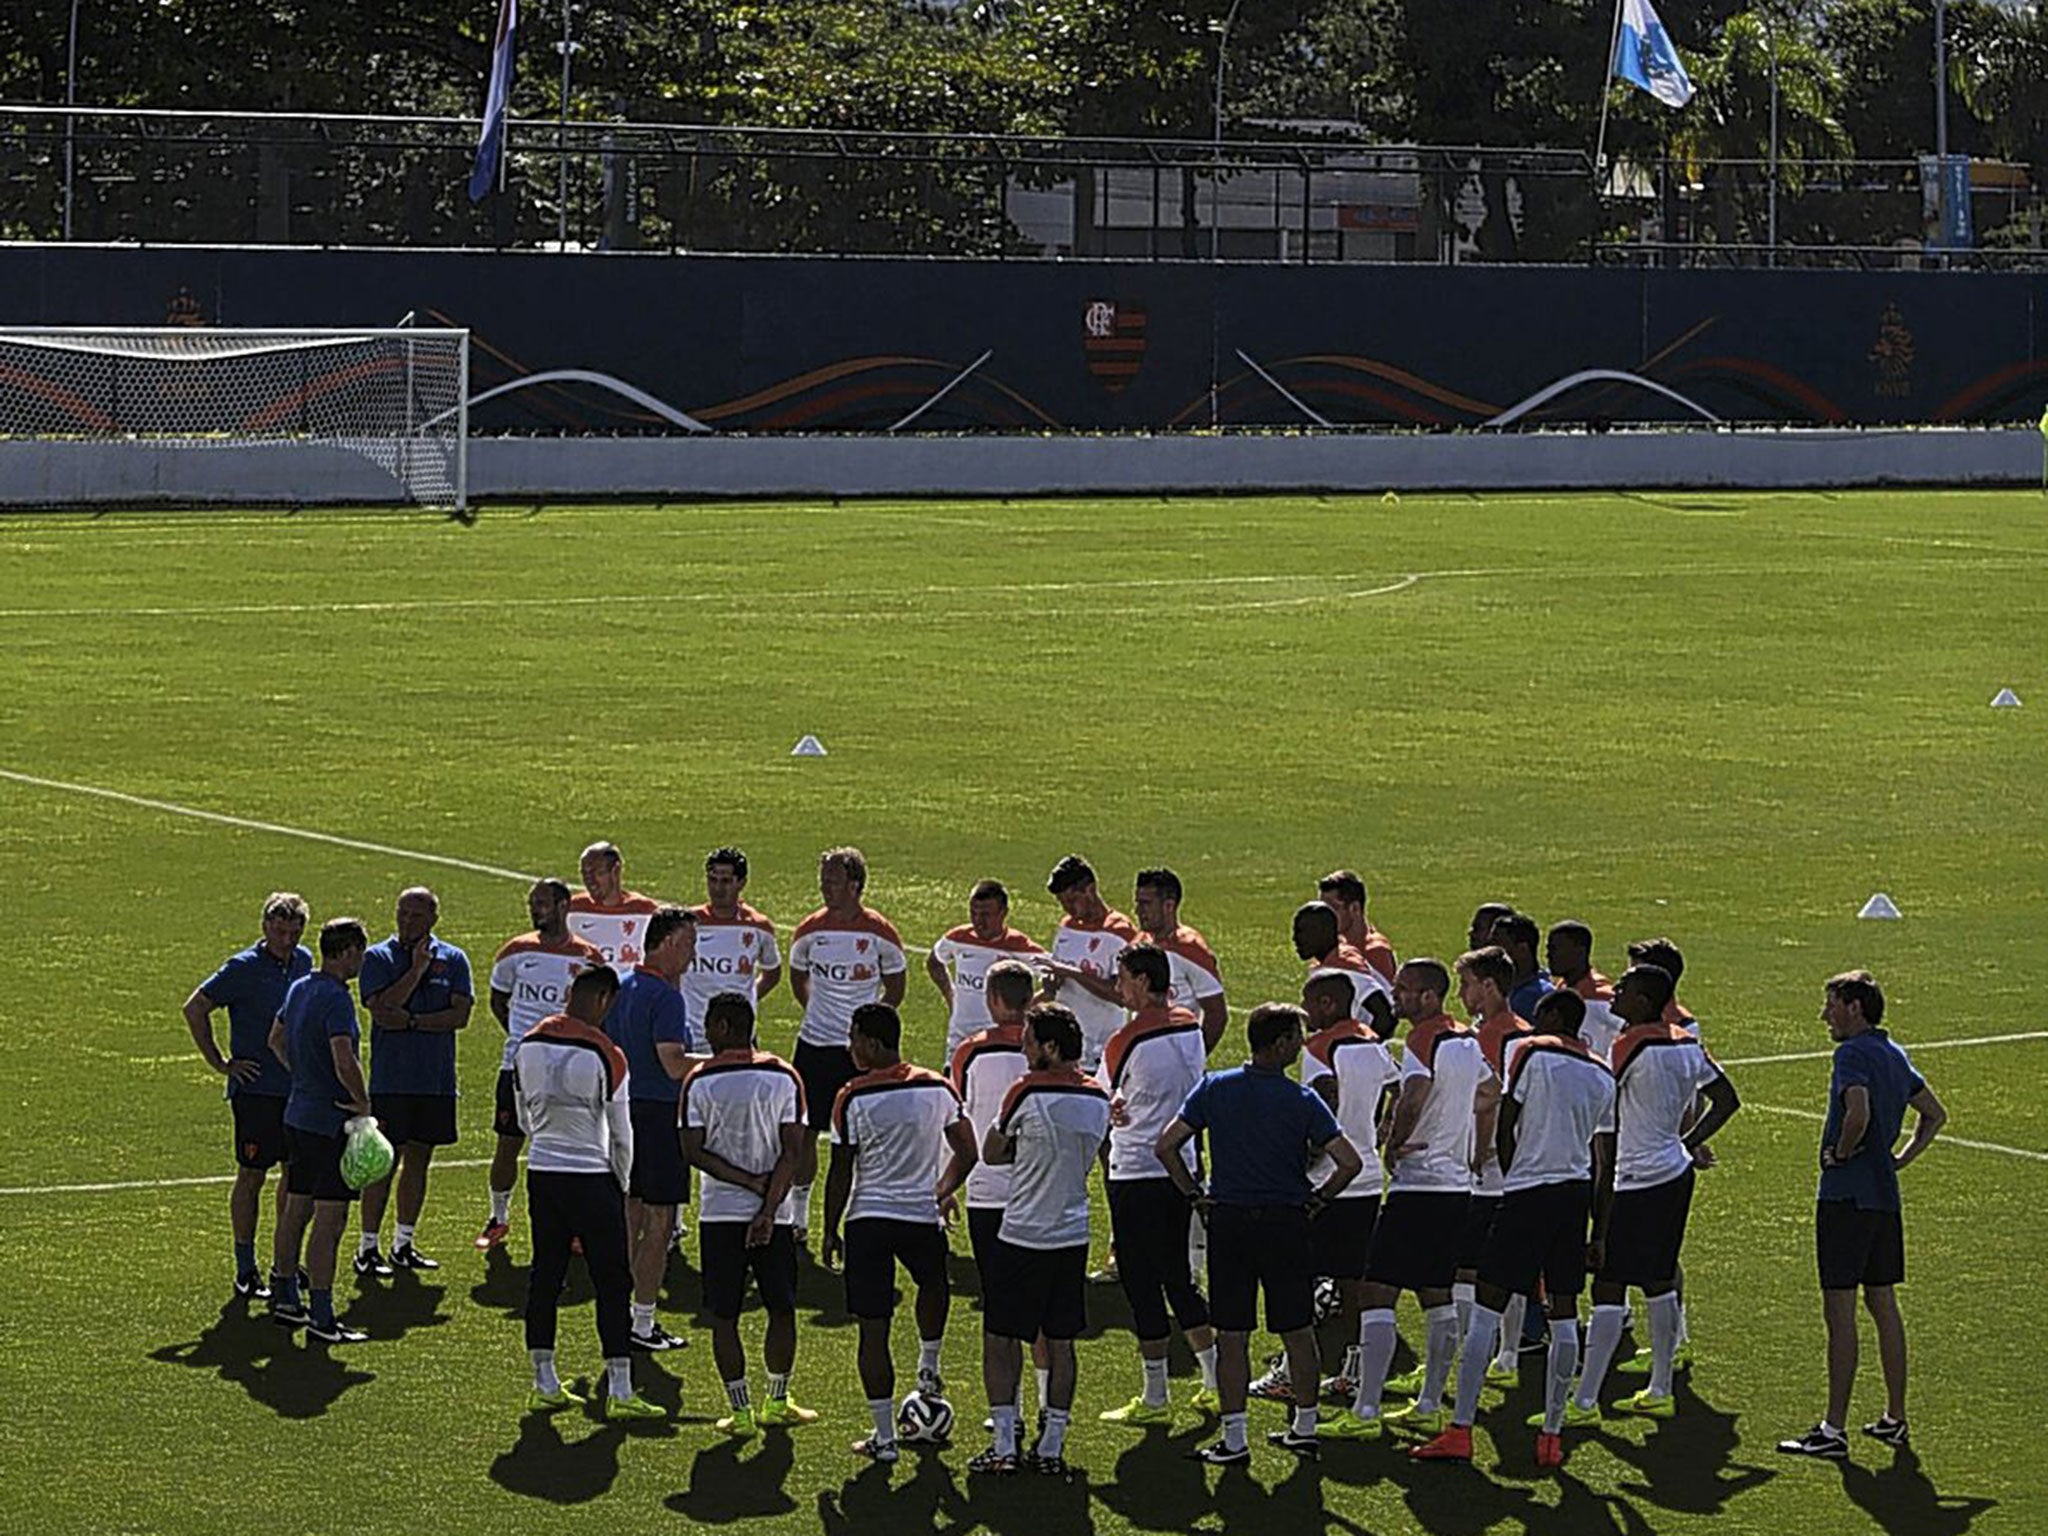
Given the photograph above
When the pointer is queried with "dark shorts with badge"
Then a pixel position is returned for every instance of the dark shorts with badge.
(727, 1261)
(1036, 1290)
(1342, 1234)
(1261, 1248)
(1858, 1247)
(874, 1246)
(1645, 1228)
(315, 1165)
(505, 1114)
(425, 1118)
(259, 1129)
(1415, 1243)
(1540, 1233)
(660, 1176)
(824, 1069)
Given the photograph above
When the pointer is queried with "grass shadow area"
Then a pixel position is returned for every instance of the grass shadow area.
(1903, 1500)
(291, 1379)
(726, 1486)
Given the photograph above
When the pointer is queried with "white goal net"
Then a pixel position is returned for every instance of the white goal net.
(397, 398)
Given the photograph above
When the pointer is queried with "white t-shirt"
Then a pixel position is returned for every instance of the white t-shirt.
(619, 930)
(1191, 968)
(536, 977)
(896, 1120)
(968, 956)
(1364, 1069)
(1566, 1097)
(1660, 1072)
(1494, 1036)
(1152, 1064)
(741, 1100)
(1601, 1027)
(1092, 948)
(1447, 1054)
(984, 1068)
(1366, 982)
(846, 959)
(730, 957)
(1058, 1119)
(571, 1100)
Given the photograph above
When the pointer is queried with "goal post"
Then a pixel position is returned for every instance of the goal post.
(397, 398)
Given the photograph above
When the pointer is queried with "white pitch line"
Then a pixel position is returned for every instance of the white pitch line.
(1943, 1140)
(173, 809)
(1913, 1049)
(209, 1178)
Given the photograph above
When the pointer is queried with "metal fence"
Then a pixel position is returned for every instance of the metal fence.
(177, 177)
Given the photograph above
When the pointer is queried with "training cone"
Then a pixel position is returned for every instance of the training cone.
(1879, 905)
(808, 746)
(2006, 699)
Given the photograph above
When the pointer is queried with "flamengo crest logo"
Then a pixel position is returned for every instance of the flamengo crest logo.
(1113, 337)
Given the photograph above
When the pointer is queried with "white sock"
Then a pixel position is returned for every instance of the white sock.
(618, 1378)
(1054, 1441)
(1376, 1341)
(368, 1243)
(1006, 1428)
(1473, 1360)
(1044, 1381)
(1304, 1420)
(802, 1192)
(736, 1395)
(778, 1388)
(928, 1357)
(1206, 1359)
(1234, 1431)
(501, 1205)
(1684, 1327)
(1665, 1312)
(643, 1318)
(1462, 1297)
(883, 1411)
(1834, 1431)
(1603, 1338)
(401, 1236)
(1439, 1347)
(544, 1377)
(1155, 1383)
(1511, 1332)
(1564, 1364)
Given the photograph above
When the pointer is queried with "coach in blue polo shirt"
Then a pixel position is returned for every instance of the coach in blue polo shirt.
(1262, 1128)
(251, 985)
(1859, 1236)
(418, 992)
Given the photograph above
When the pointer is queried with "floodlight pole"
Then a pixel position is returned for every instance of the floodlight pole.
(1216, 175)
(70, 123)
(1771, 42)
(567, 47)
(1941, 123)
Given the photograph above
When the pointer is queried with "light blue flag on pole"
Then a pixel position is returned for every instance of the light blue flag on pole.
(490, 147)
(1644, 55)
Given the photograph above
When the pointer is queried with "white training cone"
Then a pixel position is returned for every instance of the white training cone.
(2006, 699)
(1879, 905)
(809, 746)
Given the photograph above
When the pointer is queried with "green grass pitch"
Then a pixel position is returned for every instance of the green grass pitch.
(1726, 718)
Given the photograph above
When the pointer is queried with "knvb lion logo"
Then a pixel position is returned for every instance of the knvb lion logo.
(1892, 355)
(1113, 337)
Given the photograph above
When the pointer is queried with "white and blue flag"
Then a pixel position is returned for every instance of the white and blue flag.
(1644, 55)
(490, 148)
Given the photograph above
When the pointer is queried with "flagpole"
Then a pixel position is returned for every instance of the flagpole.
(1606, 95)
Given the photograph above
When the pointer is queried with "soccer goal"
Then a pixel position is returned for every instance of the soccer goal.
(398, 398)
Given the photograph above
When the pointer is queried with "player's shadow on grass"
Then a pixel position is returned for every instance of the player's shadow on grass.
(503, 1287)
(1904, 1501)
(879, 1498)
(395, 1308)
(293, 1378)
(544, 1464)
(1688, 1462)
(726, 1486)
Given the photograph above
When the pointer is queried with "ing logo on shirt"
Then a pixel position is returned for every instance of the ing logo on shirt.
(538, 992)
(723, 965)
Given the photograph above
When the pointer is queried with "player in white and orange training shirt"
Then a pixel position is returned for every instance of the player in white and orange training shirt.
(736, 949)
(960, 960)
(844, 954)
(1319, 940)
(608, 915)
(1344, 891)
(529, 982)
(1568, 952)
(1197, 985)
(1081, 972)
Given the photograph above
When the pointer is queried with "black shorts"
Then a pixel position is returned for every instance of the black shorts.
(1149, 1223)
(1254, 1248)
(315, 1165)
(1858, 1247)
(727, 1261)
(874, 1244)
(505, 1118)
(1645, 1228)
(1415, 1243)
(259, 1129)
(660, 1176)
(1342, 1235)
(983, 1222)
(1480, 1211)
(1036, 1290)
(824, 1069)
(1540, 1232)
(426, 1118)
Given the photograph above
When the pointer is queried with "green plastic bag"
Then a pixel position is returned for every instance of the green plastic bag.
(366, 1156)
